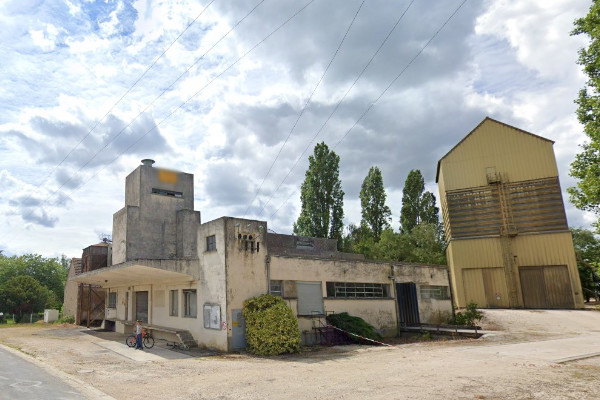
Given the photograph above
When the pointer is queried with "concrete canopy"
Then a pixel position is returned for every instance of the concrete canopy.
(139, 272)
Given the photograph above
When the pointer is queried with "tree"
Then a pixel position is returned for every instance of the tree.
(322, 197)
(375, 214)
(24, 294)
(587, 252)
(586, 167)
(48, 272)
(417, 206)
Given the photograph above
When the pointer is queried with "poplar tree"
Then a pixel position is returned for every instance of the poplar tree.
(375, 214)
(586, 167)
(322, 197)
(417, 206)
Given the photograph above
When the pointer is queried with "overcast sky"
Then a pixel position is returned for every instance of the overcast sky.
(89, 88)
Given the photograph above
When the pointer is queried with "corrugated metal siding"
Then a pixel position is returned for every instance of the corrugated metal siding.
(546, 287)
(545, 249)
(476, 253)
(516, 154)
(486, 287)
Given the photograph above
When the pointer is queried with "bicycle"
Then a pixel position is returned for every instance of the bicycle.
(147, 340)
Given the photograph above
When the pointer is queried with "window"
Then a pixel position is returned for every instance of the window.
(434, 292)
(347, 290)
(112, 300)
(276, 288)
(212, 316)
(174, 303)
(211, 243)
(189, 303)
(169, 193)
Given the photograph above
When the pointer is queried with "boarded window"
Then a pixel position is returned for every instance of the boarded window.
(353, 290)
(212, 316)
(310, 298)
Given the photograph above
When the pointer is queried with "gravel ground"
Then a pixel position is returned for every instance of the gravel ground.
(519, 359)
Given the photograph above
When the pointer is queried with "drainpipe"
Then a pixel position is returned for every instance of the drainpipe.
(268, 265)
(393, 278)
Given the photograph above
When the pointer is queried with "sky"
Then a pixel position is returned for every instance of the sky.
(239, 93)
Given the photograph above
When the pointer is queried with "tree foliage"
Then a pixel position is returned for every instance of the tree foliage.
(586, 167)
(50, 273)
(417, 206)
(587, 252)
(375, 214)
(24, 293)
(271, 327)
(322, 197)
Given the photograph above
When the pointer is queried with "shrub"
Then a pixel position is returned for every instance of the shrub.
(469, 317)
(67, 319)
(355, 325)
(271, 327)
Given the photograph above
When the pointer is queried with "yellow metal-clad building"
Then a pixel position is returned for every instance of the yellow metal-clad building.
(506, 229)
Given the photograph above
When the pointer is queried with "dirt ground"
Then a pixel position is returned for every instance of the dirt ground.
(524, 355)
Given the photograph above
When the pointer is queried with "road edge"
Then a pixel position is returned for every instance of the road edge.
(85, 388)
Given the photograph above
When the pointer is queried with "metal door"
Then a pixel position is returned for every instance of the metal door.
(546, 287)
(141, 306)
(238, 330)
(408, 304)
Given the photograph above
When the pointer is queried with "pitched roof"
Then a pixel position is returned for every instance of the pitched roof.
(437, 173)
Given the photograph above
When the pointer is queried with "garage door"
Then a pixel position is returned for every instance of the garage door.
(486, 287)
(546, 287)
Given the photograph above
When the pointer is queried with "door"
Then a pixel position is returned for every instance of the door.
(141, 306)
(486, 287)
(546, 287)
(408, 304)
(238, 330)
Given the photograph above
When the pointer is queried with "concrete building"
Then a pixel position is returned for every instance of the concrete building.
(189, 279)
(508, 240)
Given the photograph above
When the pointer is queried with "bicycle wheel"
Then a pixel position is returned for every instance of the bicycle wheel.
(149, 342)
(130, 341)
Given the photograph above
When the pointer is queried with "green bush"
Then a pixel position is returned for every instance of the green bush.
(469, 317)
(271, 327)
(67, 319)
(355, 325)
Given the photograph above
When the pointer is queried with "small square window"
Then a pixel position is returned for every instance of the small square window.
(276, 288)
(211, 243)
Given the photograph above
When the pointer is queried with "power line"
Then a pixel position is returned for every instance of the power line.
(384, 91)
(160, 95)
(340, 102)
(198, 92)
(124, 94)
(305, 106)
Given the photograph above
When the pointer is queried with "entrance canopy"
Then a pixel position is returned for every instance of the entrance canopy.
(140, 272)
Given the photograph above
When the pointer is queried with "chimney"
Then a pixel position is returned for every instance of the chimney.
(147, 162)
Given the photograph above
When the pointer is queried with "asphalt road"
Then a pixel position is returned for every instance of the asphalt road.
(22, 380)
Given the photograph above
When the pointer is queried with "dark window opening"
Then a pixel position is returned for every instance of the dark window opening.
(169, 193)
(350, 290)
(211, 243)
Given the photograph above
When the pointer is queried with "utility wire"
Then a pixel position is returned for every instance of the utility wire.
(195, 94)
(340, 102)
(384, 91)
(161, 94)
(304, 108)
(124, 94)
(151, 103)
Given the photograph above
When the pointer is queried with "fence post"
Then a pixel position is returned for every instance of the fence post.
(31, 318)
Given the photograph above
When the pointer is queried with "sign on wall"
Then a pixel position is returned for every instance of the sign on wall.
(212, 316)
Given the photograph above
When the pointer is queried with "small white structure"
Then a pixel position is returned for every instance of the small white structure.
(50, 316)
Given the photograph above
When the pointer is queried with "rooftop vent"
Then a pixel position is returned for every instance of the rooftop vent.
(147, 162)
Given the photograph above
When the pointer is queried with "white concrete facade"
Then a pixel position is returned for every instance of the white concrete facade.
(195, 277)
